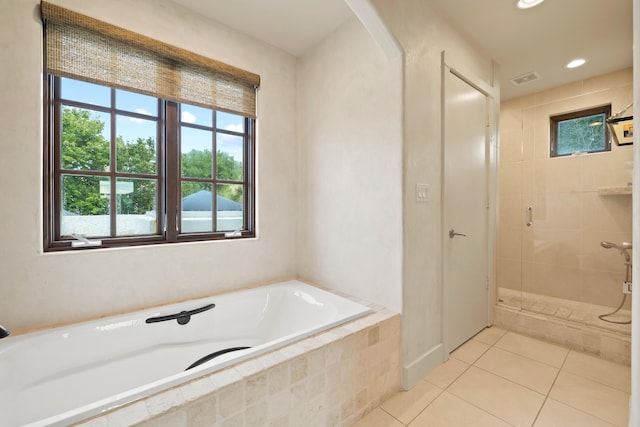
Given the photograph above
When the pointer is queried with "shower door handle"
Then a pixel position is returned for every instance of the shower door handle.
(452, 234)
(529, 216)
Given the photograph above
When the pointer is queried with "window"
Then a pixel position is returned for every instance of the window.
(126, 165)
(580, 132)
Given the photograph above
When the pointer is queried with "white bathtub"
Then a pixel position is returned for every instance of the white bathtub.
(64, 375)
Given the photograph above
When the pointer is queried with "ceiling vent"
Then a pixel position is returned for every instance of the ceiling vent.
(525, 78)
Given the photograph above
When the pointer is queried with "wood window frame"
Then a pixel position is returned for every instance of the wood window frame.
(168, 175)
(556, 119)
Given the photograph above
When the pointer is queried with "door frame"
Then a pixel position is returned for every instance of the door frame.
(492, 93)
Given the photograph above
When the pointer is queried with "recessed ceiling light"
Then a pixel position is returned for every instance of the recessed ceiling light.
(576, 63)
(526, 4)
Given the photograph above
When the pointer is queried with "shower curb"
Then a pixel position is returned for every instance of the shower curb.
(608, 345)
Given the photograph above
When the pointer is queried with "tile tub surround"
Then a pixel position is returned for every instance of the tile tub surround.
(607, 345)
(332, 378)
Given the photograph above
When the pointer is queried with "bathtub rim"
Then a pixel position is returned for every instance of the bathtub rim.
(133, 395)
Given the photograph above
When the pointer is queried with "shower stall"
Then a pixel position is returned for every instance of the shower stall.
(564, 223)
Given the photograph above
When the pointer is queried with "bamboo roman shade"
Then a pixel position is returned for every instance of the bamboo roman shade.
(88, 49)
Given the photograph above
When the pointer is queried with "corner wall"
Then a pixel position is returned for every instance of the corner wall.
(424, 34)
(350, 229)
(40, 289)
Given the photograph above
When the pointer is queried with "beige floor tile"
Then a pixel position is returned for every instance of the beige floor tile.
(519, 369)
(555, 414)
(500, 397)
(406, 405)
(446, 373)
(599, 400)
(532, 348)
(600, 370)
(451, 411)
(490, 335)
(470, 351)
(378, 418)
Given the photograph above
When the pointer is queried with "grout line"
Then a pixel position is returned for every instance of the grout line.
(478, 407)
(546, 397)
(390, 414)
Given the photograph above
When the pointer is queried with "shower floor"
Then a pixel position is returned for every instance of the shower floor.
(575, 311)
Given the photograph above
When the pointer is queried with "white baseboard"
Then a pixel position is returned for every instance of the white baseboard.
(414, 371)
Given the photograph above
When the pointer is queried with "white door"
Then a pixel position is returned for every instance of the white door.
(465, 211)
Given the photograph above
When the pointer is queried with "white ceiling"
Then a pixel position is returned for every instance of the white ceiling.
(542, 39)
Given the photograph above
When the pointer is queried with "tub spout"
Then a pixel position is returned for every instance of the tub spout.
(4, 332)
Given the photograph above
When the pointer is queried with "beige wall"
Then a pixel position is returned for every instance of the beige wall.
(560, 255)
(39, 289)
(350, 164)
(423, 35)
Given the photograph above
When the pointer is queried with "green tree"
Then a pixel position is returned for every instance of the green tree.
(85, 149)
(197, 164)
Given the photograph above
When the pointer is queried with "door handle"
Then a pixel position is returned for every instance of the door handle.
(452, 234)
(529, 216)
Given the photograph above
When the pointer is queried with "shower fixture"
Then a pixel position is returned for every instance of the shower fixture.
(623, 248)
(624, 251)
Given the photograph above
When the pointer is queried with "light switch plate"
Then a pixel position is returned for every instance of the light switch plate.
(422, 193)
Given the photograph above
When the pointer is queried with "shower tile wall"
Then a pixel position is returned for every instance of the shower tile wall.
(560, 255)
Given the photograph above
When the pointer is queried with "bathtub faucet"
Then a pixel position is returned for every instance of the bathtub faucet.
(4, 332)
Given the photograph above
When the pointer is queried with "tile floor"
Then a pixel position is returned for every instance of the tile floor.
(502, 378)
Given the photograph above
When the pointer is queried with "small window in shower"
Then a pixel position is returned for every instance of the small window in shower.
(583, 131)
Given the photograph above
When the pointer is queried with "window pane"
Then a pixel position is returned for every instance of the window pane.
(136, 206)
(85, 139)
(229, 157)
(136, 145)
(76, 90)
(583, 134)
(85, 206)
(230, 122)
(196, 115)
(196, 148)
(196, 204)
(136, 103)
(229, 207)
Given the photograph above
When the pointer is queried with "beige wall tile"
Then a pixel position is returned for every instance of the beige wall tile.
(510, 178)
(509, 273)
(569, 90)
(610, 80)
(510, 243)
